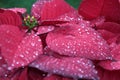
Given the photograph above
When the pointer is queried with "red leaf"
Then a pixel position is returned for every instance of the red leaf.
(106, 34)
(110, 65)
(116, 52)
(75, 40)
(90, 9)
(3, 67)
(10, 39)
(16, 50)
(10, 17)
(111, 10)
(110, 26)
(108, 75)
(28, 50)
(66, 66)
(50, 9)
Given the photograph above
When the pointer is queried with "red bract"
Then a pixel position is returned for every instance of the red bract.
(29, 73)
(3, 66)
(108, 75)
(60, 45)
(28, 50)
(106, 34)
(94, 8)
(110, 26)
(109, 30)
(50, 9)
(71, 67)
(116, 53)
(9, 40)
(111, 10)
(75, 40)
(91, 9)
(110, 65)
(9, 17)
(17, 47)
(20, 10)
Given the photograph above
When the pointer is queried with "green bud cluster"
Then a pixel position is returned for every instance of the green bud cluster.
(30, 22)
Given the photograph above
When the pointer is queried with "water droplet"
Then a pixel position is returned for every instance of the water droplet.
(0, 57)
(33, 44)
(22, 56)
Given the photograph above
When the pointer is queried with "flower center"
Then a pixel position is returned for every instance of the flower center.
(30, 22)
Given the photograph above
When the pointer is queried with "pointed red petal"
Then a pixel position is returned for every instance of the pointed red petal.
(78, 40)
(50, 9)
(3, 67)
(110, 65)
(66, 66)
(111, 10)
(28, 50)
(106, 34)
(3, 19)
(108, 75)
(10, 39)
(90, 9)
(116, 52)
(110, 26)
(11, 18)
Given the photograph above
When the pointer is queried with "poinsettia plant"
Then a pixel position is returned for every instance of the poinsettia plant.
(58, 42)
